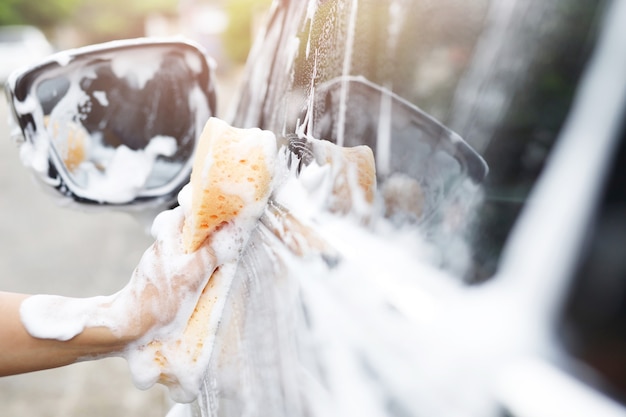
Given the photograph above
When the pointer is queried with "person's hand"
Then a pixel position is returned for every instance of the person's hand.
(166, 284)
(163, 290)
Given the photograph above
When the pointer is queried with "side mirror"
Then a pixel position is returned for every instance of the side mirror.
(115, 123)
(406, 140)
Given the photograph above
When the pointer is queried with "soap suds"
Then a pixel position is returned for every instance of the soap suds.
(188, 310)
(183, 294)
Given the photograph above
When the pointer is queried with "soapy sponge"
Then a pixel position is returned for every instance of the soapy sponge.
(232, 173)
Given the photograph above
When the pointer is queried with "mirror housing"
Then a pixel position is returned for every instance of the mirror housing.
(114, 124)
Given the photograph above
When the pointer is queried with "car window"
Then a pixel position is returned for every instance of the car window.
(501, 75)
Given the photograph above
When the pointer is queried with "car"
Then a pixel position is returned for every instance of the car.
(535, 324)
(20, 46)
(497, 284)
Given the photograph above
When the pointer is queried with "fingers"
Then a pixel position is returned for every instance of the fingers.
(162, 292)
(167, 282)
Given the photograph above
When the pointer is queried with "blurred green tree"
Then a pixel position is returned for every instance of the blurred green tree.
(104, 20)
(44, 14)
(242, 20)
(97, 20)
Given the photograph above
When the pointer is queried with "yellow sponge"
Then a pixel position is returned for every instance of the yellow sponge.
(233, 169)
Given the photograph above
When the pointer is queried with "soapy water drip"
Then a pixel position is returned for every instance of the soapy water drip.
(379, 332)
(383, 143)
(295, 335)
(347, 60)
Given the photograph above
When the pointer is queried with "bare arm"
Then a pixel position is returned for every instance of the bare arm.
(20, 352)
(166, 279)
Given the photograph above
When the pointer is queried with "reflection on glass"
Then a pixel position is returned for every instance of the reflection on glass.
(412, 149)
(122, 121)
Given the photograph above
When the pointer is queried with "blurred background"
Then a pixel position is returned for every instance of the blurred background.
(51, 249)
(224, 26)
(30, 29)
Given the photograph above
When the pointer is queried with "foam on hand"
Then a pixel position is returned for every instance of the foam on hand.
(230, 185)
(182, 281)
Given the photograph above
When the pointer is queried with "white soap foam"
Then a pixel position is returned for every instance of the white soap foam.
(167, 283)
(396, 293)
(127, 171)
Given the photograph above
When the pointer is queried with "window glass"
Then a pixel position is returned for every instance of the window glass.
(448, 86)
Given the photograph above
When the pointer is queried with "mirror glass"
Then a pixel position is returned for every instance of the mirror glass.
(409, 145)
(120, 122)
